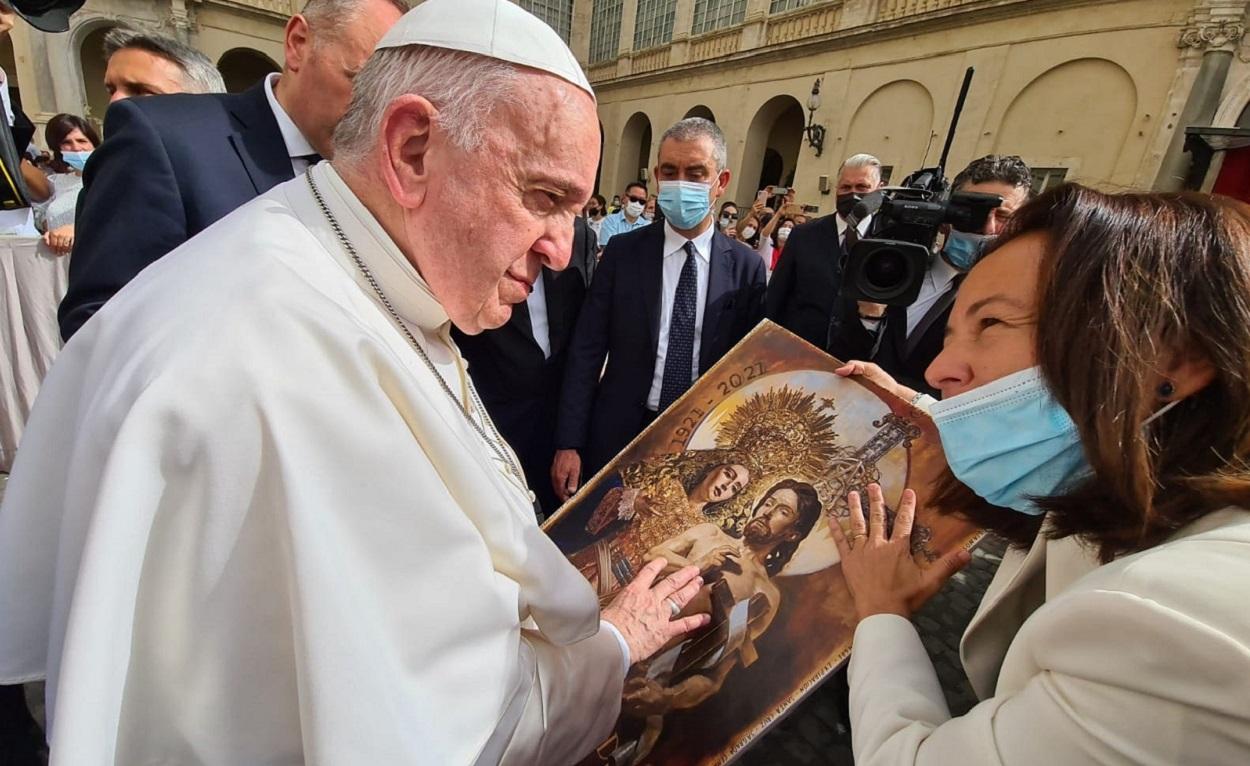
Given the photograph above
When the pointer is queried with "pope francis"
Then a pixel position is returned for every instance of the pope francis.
(260, 516)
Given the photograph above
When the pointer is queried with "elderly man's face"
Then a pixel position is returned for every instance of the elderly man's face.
(859, 180)
(502, 212)
(132, 72)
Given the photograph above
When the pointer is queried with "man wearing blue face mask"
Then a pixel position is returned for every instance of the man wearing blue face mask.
(904, 340)
(667, 302)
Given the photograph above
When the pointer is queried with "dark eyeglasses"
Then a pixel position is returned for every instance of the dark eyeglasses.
(643, 200)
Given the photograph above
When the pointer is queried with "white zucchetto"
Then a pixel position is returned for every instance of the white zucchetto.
(494, 28)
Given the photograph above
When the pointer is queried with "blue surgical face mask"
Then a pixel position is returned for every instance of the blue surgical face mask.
(76, 160)
(1009, 441)
(962, 249)
(685, 203)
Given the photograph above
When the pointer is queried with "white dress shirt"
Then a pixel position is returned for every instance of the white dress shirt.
(297, 147)
(936, 281)
(537, 305)
(674, 260)
(863, 226)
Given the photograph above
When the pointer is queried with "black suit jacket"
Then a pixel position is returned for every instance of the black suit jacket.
(905, 358)
(807, 280)
(521, 388)
(621, 322)
(172, 165)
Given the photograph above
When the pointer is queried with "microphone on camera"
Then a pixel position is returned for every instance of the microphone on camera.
(867, 206)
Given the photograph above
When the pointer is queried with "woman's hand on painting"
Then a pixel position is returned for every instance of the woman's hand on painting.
(880, 571)
(645, 611)
(874, 374)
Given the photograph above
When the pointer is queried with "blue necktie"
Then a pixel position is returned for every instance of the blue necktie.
(679, 358)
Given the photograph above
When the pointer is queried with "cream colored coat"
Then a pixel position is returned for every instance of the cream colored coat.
(1145, 660)
(247, 525)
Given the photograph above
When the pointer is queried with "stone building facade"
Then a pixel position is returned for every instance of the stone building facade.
(1099, 91)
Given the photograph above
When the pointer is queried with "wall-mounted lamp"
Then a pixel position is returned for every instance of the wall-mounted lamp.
(815, 133)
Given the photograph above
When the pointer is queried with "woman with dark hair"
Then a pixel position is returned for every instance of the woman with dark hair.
(71, 139)
(1096, 413)
(596, 211)
(774, 235)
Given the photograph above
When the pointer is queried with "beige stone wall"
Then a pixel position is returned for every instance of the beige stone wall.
(1089, 86)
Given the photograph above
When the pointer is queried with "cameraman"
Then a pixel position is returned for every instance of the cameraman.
(904, 340)
(808, 275)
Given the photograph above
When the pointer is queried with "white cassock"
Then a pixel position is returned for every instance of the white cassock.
(247, 525)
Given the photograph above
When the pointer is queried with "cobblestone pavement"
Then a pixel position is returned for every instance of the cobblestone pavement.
(815, 732)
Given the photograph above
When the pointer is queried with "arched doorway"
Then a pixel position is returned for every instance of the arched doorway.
(91, 59)
(241, 68)
(635, 154)
(701, 111)
(771, 155)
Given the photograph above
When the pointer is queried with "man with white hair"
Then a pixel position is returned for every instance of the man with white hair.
(808, 276)
(172, 166)
(260, 514)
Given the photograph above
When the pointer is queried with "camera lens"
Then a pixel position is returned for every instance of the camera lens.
(887, 270)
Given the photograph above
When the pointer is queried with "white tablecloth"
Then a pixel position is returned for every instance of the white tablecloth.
(32, 283)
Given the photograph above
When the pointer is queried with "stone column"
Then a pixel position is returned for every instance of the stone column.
(33, 76)
(629, 15)
(1212, 37)
(754, 24)
(683, 22)
(579, 35)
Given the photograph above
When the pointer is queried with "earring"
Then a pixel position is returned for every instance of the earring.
(1166, 390)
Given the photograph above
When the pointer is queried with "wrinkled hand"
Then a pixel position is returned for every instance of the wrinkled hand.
(566, 473)
(60, 240)
(643, 615)
(880, 572)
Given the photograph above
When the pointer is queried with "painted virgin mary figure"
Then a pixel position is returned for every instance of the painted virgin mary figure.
(658, 498)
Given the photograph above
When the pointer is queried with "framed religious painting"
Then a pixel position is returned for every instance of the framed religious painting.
(742, 477)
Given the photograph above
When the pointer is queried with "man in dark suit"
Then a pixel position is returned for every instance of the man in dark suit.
(904, 340)
(668, 301)
(172, 165)
(808, 276)
(519, 368)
